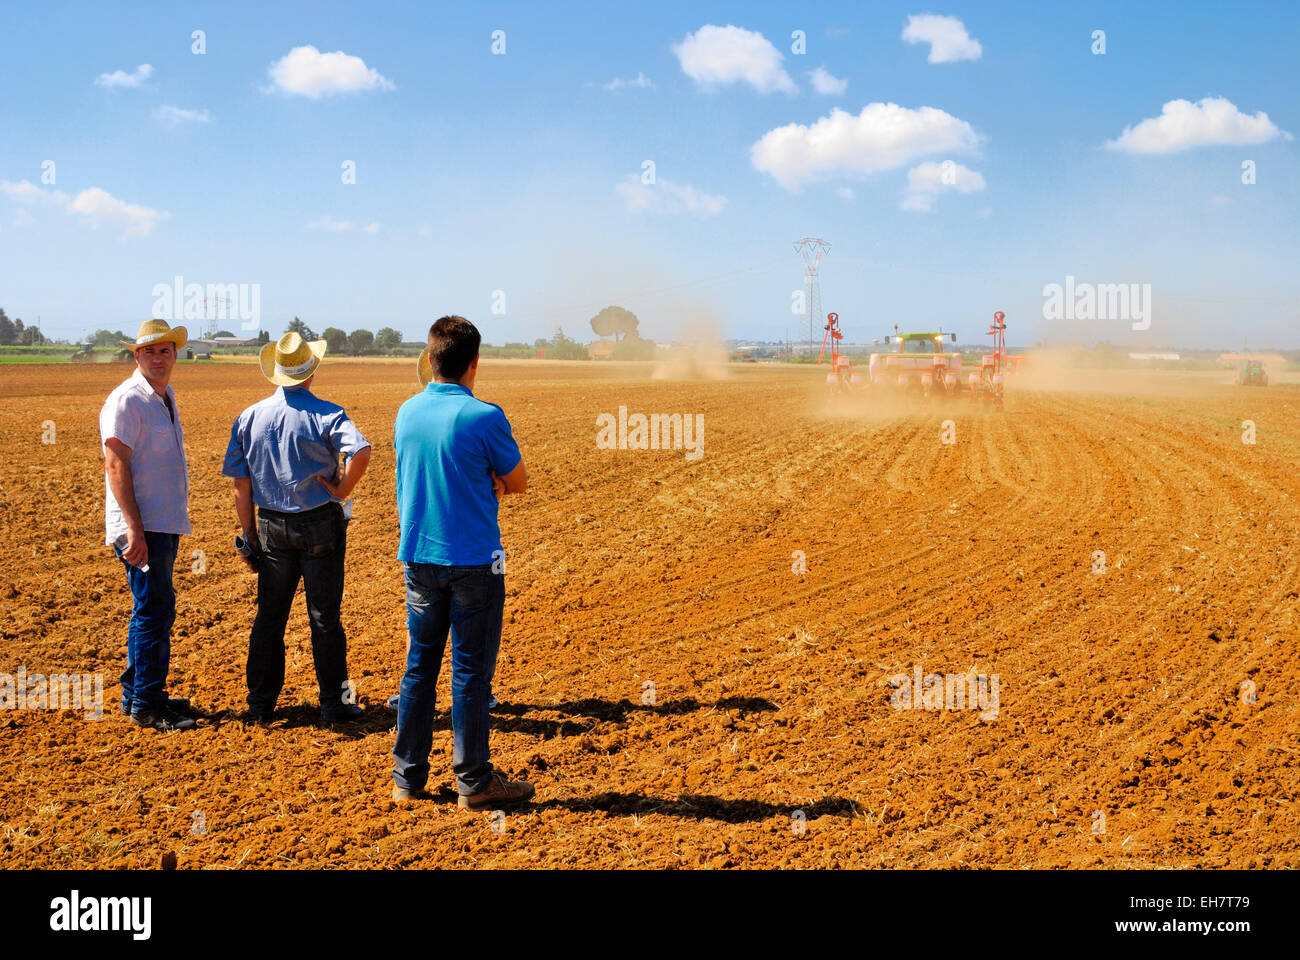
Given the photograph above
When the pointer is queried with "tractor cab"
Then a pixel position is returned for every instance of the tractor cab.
(917, 361)
(1251, 374)
(927, 343)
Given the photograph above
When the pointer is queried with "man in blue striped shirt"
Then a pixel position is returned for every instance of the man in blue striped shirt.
(284, 457)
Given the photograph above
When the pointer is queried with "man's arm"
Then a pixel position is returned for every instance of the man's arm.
(351, 474)
(247, 520)
(244, 508)
(117, 463)
(516, 481)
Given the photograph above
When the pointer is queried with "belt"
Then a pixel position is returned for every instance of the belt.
(314, 511)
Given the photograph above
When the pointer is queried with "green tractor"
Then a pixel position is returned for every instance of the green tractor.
(1251, 374)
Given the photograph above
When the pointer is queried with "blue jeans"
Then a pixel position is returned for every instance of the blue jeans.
(466, 602)
(149, 635)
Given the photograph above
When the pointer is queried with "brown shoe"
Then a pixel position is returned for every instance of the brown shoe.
(402, 795)
(499, 792)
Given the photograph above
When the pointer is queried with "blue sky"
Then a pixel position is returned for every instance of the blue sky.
(478, 173)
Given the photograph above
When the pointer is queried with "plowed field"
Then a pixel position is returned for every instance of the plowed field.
(680, 696)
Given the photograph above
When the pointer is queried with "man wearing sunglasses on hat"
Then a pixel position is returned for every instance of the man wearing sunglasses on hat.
(284, 458)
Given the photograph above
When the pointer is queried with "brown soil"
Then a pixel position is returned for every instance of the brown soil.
(1119, 692)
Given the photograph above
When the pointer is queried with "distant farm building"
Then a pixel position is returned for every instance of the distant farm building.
(600, 350)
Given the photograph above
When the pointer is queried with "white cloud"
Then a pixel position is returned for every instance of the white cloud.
(947, 37)
(881, 137)
(120, 78)
(97, 206)
(326, 222)
(1183, 124)
(926, 181)
(713, 56)
(308, 72)
(845, 193)
(100, 207)
(665, 197)
(824, 83)
(618, 83)
(177, 115)
(26, 192)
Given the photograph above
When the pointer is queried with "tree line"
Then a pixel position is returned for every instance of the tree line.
(612, 321)
(15, 333)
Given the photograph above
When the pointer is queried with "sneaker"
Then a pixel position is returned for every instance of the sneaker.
(255, 715)
(177, 704)
(493, 702)
(403, 795)
(393, 701)
(342, 713)
(499, 792)
(163, 718)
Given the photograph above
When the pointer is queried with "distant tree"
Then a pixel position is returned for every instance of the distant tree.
(564, 348)
(263, 336)
(387, 339)
(541, 343)
(32, 337)
(615, 322)
(223, 333)
(7, 331)
(363, 341)
(108, 338)
(300, 328)
(336, 340)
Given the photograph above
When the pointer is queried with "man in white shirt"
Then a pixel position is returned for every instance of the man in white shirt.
(146, 510)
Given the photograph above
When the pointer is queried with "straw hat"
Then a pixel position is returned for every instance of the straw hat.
(424, 368)
(291, 359)
(157, 331)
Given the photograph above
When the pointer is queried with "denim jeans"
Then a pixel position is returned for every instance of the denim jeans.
(466, 602)
(149, 635)
(309, 546)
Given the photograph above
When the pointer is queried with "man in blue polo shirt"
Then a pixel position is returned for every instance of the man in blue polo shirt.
(456, 456)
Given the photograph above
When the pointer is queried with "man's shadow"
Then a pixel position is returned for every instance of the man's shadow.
(510, 717)
(506, 717)
(687, 806)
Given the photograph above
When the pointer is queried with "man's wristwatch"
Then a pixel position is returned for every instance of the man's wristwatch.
(250, 551)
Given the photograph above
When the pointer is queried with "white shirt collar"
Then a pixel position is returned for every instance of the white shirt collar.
(142, 381)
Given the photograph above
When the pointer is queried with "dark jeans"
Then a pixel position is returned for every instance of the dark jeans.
(309, 546)
(466, 602)
(149, 635)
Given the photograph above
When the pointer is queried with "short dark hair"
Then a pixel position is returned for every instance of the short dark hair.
(453, 345)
